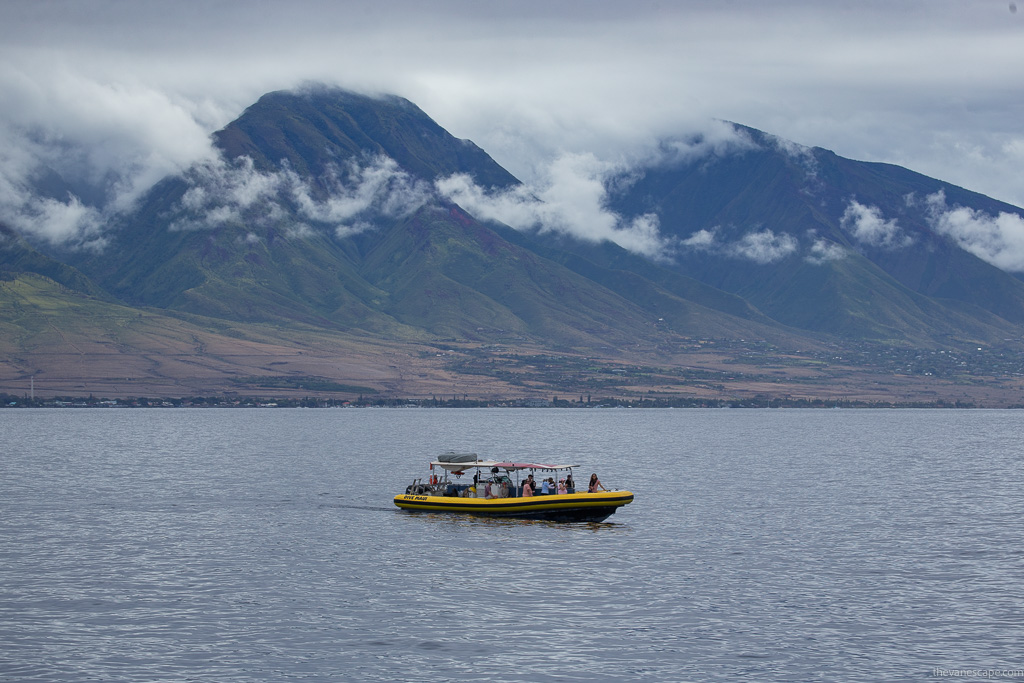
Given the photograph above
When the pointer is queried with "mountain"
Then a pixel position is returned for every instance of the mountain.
(324, 213)
(320, 233)
(826, 244)
(313, 130)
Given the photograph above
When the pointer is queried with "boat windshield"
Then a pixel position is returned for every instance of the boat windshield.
(507, 466)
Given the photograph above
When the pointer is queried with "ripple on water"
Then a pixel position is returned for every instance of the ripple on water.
(262, 545)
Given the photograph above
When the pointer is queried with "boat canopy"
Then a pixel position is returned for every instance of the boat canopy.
(488, 464)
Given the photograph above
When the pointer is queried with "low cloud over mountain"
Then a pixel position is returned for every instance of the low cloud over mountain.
(997, 239)
(335, 209)
(223, 192)
(571, 199)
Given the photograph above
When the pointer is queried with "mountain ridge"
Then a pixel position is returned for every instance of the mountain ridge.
(323, 214)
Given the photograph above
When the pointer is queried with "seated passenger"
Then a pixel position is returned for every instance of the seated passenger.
(508, 489)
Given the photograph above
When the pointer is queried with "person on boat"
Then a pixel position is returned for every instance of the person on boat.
(570, 485)
(561, 487)
(528, 487)
(595, 484)
(487, 490)
(507, 487)
(545, 487)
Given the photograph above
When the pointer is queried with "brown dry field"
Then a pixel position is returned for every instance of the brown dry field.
(57, 343)
(207, 364)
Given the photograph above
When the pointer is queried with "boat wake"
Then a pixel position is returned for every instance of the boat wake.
(345, 506)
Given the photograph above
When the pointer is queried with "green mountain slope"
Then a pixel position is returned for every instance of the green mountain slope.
(17, 256)
(825, 276)
(402, 263)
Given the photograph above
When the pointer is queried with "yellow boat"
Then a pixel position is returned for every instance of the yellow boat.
(496, 489)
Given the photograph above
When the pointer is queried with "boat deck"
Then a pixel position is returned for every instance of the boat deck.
(567, 506)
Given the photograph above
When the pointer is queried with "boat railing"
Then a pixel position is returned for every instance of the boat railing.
(450, 489)
(446, 487)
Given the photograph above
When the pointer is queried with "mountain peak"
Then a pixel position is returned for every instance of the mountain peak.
(319, 127)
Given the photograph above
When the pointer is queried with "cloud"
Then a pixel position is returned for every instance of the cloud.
(571, 199)
(803, 157)
(119, 94)
(345, 201)
(715, 140)
(222, 192)
(101, 144)
(999, 240)
(867, 225)
(760, 246)
(763, 247)
(923, 83)
(377, 184)
(67, 223)
(702, 240)
(343, 231)
(62, 220)
(822, 251)
(113, 139)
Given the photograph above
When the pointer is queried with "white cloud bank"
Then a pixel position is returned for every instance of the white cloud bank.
(119, 94)
(236, 193)
(867, 225)
(571, 199)
(109, 142)
(999, 240)
(61, 223)
(763, 246)
(822, 251)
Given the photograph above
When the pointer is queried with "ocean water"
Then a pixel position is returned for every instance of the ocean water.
(262, 545)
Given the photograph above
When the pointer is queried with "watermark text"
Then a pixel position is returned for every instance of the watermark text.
(977, 673)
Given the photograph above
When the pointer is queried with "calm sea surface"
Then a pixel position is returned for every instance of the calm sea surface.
(262, 545)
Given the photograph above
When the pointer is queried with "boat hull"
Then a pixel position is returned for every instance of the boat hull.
(571, 507)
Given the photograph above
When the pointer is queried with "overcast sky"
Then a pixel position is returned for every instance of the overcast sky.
(933, 85)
